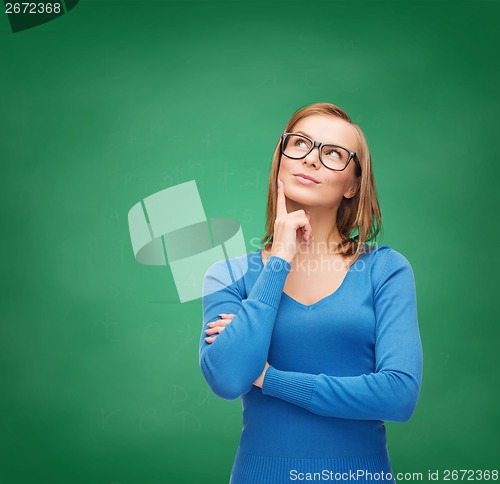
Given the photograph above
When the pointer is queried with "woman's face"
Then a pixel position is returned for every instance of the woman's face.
(331, 185)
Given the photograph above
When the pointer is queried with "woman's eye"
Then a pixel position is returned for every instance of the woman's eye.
(333, 154)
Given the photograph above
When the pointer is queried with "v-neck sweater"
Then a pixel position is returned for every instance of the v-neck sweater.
(339, 368)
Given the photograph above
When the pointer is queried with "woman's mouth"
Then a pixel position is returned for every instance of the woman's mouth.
(305, 181)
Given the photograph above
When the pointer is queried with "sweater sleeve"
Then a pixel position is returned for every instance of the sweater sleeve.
(236, 358)
(391, 391)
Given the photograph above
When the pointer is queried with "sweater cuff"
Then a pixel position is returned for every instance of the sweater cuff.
(291, 386)
(269, 286)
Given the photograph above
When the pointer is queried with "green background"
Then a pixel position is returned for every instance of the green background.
(115, 101)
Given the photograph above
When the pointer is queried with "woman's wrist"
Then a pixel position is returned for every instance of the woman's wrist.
(281, 255)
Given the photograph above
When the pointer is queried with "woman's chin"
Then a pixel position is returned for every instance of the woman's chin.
(301, 198)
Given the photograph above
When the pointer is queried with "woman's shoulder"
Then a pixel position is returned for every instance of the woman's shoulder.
(232, 269)
(385, 261)
(375, 248)
(384, 251)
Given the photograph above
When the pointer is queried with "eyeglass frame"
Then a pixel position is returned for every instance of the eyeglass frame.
(352, 154)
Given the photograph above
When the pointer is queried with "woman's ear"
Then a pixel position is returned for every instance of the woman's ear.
(354, 188)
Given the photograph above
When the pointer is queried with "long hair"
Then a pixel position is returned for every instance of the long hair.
(360, 213)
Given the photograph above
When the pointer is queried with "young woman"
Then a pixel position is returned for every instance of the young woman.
(317, 332)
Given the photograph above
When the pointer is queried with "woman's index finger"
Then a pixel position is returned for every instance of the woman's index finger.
(280, 201)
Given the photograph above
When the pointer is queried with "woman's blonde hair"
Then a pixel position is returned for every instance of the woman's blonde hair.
(360, 213)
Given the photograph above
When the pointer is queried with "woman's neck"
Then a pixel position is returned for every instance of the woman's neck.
(325, 234)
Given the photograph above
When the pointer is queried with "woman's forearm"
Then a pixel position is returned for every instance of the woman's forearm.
(236, 358)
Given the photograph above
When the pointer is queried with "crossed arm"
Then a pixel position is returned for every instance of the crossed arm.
(237, 357)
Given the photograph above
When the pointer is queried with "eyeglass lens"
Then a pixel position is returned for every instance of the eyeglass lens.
(296, 146)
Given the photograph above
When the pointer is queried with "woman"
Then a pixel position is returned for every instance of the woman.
(318, 332)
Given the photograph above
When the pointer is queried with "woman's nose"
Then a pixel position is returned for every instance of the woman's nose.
(313, 158)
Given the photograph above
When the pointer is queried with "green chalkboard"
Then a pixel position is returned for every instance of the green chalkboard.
(113, 101)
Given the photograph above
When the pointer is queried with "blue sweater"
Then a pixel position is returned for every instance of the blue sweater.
(339, 367)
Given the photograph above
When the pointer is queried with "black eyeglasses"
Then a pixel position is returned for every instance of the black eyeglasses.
(333, 157)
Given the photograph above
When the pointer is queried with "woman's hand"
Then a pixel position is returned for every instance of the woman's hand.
(289, 229)
(218, 326)
(260, 381)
